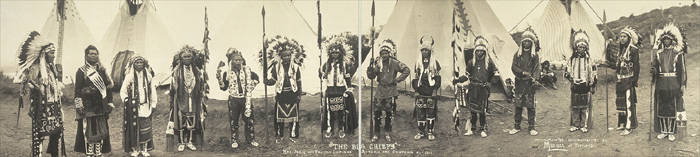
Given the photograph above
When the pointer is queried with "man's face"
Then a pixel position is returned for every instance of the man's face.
(425, 53)
(384, 54)
(187, 58)
(527, 44)
(139, 65)
(624, 39)
(335, 54)
(479, 53)
(92, 56)
(237, 61)
(286, 57)
(580, 48)
(667, 42)
(50, 54)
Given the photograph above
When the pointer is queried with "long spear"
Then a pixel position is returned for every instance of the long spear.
(264, 51)
(371, 89)
(60, 12)
(320, 62)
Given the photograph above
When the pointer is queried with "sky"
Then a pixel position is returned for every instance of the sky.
(183, 18)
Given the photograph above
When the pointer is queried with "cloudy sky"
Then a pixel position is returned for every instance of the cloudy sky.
(183, 18)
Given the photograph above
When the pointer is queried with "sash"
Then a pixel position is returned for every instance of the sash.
(95, 78)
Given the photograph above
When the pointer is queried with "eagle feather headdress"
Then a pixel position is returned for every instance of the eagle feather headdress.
(279, 44)
(530, 35)
(672, 32)
(339, 43)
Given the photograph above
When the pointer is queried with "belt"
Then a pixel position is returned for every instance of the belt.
(480, 84)
(667, 74)
(624, 76)
(287, 89)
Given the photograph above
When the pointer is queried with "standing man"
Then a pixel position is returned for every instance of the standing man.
(385, 69)
(669, 77)
(480, 70)
(239, 81)
(336, 74)
(426, 84)
(93, 103)
(581, 73)
(187, 93)
(526, 67)
(38, 74)
(627, 71)
(140, 98)
(285, 75)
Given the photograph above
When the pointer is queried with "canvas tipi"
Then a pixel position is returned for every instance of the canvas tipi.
(414, 18)
(76, 36)
(138, 28)
(244, 32)
(555, 25)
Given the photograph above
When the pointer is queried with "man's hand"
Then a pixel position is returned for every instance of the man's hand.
(110, 107)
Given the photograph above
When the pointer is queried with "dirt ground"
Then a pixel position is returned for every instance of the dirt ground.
(552, 123)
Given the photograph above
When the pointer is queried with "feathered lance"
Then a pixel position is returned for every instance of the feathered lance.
(267, 132)
(455, 72)
(320, 62)
(371, 89)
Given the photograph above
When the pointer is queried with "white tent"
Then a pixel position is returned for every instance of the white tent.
(76, 37)
(144, 33)
(413, 18)
(554, 27)
(243, 31)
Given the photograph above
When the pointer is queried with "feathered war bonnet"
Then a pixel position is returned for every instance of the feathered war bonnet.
(632, 34)
(198, 58)
(388, 45)
(530, 35)
(130, 67)
(579, 38)
(338, 43)
(480, 44)
(32, 51)
(672, 32)
(278, 45)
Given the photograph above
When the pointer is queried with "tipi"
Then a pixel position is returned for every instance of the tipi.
(76, 36)
(138, 28)
(411, 19)
(554, 26)
(244, 32)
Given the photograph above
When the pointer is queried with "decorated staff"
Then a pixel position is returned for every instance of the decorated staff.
(93, 103)
(336, 74)
(480, 69)
(627, 72)
(140, 97)
(386, 70)
(371, 89)
(669, 78)
(287, 57)
(526, 67)
(187, 94)
(237, 79)
(39, 76)
(426, 84)
(581, 73)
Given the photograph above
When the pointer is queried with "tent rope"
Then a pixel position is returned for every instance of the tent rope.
(601, 19)
(526, 15)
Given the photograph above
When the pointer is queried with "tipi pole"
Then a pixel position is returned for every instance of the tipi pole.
(319, 40)
(264, 51)
(371, 89)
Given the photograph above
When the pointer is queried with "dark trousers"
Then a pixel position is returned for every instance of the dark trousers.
(482, 121)
(336, 122)
(530, 117)
(521, 102)
(388, 106)
(53, 144)
(293, 129)
(236, 110)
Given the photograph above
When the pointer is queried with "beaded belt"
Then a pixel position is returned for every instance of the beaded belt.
(668, 74)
